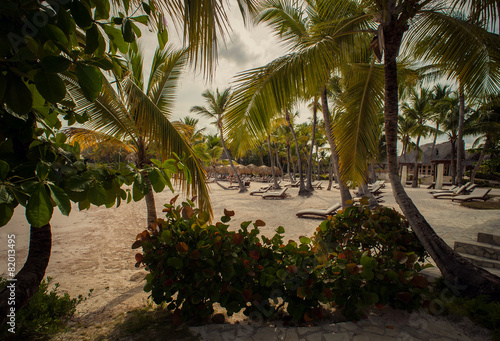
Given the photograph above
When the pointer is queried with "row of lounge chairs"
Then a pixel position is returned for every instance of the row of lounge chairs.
(466, 192)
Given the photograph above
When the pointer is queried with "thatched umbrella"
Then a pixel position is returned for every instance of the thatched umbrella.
(241, 169)
(264, 170)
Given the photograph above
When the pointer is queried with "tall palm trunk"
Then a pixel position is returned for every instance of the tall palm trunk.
(278, 163)
(288, 157)
(27, 280)
(414, 183)
(481, 158)
(330, 173)
(149, 196)
(345, 195)
(460, 149)
(318, 163)
(271, 157)
(434, 142)
(468, 278)
(453, 164)
(302, 188)
(313, 142)
(243, 189)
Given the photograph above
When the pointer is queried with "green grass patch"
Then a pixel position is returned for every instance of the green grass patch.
(486, 205)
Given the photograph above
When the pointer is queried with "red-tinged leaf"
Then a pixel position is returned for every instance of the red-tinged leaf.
(172, 201)
(247, 294)
(246, 263)
(228, 213)
(238, 238)
(137, 244)
(259, 222)
(292, 268)
(327, 293)
(254, 254)
(379, 306)
(187, 212)
(420, 282)
(341, 256)
(181, 247)
(404, 297)
(195, 254)
(307, 318)
(168, 209)
(301, 292)
(139, 257)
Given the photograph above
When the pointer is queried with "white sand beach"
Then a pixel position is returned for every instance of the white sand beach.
(92, 249)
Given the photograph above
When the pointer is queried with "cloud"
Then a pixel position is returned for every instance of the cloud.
(236, 52)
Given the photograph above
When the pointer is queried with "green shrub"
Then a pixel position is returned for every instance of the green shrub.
(371, 257)
(45, 314)
(193, 264)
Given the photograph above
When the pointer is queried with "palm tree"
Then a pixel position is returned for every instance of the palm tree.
(418, 110)
(137, 115)
(210, 151)
(312, 59)
(193, 135)
(217, 105)
(438, 111)
(484, 122)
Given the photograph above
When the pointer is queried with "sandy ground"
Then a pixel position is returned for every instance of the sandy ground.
(92, 249)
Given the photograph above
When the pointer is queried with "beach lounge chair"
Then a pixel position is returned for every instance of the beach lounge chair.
(322, 214)
(295, 184)
(276, 195)
(376, 190)
(317, 185)
(477, 194)
(444, 190)
(449, 194)
(262, 190)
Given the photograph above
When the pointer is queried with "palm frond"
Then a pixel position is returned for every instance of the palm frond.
(356, 129)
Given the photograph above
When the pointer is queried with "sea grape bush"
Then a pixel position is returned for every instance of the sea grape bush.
(356, 259)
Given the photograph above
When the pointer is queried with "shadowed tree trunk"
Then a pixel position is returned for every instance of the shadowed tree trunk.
(466, 277)
(330, 174)
(302, 188)
(28, 279)
(278, 163)
(453, 164)
(271, 157)
(481, 158)
(288, 157)
(460, 146)
(313, 141)
(345, 195)
(414, 183)
(243, 189)
(142, 160)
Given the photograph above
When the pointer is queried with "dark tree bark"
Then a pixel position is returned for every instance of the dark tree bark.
(288, 157)
(243, 189)
(330, 174)
(345, 194)
(276, 184)
(302, 188)
(460, 149)
(467, 278)
(29, 278)
(453, 164)
(414, 183)
(313, 141)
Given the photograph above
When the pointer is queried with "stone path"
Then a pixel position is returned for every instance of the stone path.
(388, 325)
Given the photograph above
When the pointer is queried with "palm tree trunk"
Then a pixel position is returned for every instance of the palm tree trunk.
(243, 189)
(313, 141)
(345, 195)
(414, 183)
(481, 158)
(288, 157)
(302, 188)
(330, 174)
(278, 163)
(271, 157)
(434, 142)
(150, 201)
(460, 151)
(28, 279)
(461, 273)
(453, 164)
(318, 163)
(149, 197)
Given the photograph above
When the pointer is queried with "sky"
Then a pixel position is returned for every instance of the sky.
(246, 47)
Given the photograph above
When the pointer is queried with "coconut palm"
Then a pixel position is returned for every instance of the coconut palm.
(312, 59)
(137, 114)
(418, 109)
(484, 122)
(193, 135)
(438, 110)
(216, 110)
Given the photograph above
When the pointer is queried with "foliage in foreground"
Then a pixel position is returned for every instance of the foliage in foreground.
(46, 313)
(357, 259)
